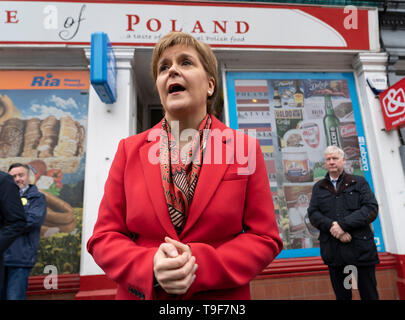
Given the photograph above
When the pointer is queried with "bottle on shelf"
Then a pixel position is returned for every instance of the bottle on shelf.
(331, 124)
(298, 95)
(276, 99)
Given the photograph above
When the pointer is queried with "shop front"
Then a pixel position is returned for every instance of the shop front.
(294, 76)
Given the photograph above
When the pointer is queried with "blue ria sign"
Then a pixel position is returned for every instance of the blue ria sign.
(103, 70)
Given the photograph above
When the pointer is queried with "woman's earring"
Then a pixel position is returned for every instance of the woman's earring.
(209, 93)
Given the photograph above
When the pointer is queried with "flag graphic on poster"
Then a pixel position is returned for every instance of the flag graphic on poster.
(253, 107)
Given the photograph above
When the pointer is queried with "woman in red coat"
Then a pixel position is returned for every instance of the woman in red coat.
(187, 211)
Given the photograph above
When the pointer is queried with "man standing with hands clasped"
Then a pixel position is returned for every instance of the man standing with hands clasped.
(342, 207)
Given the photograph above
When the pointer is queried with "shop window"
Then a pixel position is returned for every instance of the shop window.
(295, 116)
(43, 123)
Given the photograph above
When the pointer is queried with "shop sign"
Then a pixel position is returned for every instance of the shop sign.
(103, 70)
(393, 105)
(231, 25)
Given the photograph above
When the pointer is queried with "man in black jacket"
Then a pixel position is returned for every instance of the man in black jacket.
(12, 218)
(21, 256)
(342, 207)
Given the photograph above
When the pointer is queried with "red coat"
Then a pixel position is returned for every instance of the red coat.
(231, 226)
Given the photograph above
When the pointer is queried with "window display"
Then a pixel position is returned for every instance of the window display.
(295, 116)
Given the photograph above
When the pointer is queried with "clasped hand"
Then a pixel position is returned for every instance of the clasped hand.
(174, 266)
(339, 233)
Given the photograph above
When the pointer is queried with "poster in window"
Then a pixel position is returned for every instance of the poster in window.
(43, 123)
(295, 116)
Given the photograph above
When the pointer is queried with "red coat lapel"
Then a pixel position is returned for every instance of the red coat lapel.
(211, 173)
(153, 180)
(210, 176)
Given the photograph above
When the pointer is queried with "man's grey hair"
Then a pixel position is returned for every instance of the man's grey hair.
(333, 149)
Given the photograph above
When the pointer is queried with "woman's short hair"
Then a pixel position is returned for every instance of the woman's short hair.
(207, 58)
(332, 149)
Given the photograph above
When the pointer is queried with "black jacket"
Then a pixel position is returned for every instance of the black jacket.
(354, 207)
(12, 217)
(23, 251)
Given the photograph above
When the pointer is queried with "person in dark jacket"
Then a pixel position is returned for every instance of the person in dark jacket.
(12, 219)
(21, 256)
(342, 207)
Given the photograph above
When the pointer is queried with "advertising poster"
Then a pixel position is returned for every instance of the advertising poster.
(295, 116)
(43, 120)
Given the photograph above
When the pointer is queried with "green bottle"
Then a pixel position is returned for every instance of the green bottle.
(276, 99)
(298, 95)
(331, 124)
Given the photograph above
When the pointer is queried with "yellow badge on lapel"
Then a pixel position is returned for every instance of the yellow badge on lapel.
(24, 201)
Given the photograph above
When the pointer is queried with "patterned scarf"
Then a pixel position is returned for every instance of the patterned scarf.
(179, 177)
